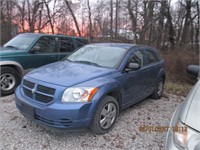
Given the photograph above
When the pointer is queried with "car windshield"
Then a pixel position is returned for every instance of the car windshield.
(102, 56)
(20, 42)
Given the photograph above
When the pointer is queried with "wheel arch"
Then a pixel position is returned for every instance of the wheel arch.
(14, 65)
(117, 95)
(161, 74)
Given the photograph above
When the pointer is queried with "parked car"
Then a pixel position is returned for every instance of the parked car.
(29, 50)
(184, 131)
(90, 87)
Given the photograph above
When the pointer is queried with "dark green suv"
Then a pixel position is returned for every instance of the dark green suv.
(30, 50)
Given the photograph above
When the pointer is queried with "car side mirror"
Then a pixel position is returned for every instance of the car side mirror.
(132, 66)
(193, 70)
(35, 49)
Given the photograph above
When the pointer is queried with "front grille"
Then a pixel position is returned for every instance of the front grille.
(64, 121)
(46, 90)
(28, 84)
(28, 92)
(43, 98)
(38, 92)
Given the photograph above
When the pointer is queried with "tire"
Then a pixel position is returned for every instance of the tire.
(102, 113)
(157, 94)
(9, 80)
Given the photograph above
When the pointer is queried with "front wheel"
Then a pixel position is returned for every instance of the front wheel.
(157, 94)
(105, 116)
(9, 80)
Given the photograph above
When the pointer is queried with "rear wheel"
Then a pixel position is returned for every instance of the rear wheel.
(157, 94)
(105, 116)
(9, 80)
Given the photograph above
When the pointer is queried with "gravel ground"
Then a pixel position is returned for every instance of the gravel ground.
(18, 133)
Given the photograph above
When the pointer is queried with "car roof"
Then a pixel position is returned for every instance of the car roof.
(56, 35)
(119, 45)
(126, 46)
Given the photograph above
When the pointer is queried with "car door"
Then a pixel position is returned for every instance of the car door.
(133, 81)
(43, 52)
(152, 65)
(66, 46)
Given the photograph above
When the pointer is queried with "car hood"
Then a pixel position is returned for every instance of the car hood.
(67, 74)
(5, 49)
(9, 51)
(190, 114)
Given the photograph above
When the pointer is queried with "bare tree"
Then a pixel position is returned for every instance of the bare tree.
(116, 16)
(147, 15)
(170, 26)
(22, 13)
(133, 18)
(33, 10)
(155, 23)
(49, 15)
(90, 20)
(73, 16)
(6, 22)
(186, 28)
(197, 27)
(111, 18)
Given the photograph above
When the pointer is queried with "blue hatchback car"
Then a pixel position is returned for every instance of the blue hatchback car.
(90, 86)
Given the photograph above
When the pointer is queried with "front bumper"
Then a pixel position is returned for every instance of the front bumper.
(56, 115)
(169, 143)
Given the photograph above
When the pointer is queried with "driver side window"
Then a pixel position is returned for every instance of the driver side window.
(46, 44)
(137, 57)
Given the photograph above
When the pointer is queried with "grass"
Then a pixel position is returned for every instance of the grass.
(180, 89)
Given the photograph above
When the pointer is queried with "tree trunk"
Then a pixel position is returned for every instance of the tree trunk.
(90, 21)
(40, 21)
(116, 17)
(73, 16)
(171, 28)
(150, 20)
(133, 20)
(145, 25)
(161, 24)
(186, 29)
(111, 18)
(49, 16)
(197, 28)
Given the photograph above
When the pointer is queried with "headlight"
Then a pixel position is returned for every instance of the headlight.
(79, 94)
(185, 136)
(180, 134)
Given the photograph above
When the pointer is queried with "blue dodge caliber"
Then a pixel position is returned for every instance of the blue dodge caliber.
(89, 87)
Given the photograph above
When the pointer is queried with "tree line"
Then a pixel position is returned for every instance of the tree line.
(159, 23)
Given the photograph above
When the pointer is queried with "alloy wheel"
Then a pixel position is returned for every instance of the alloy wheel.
(7, 81)
(108, 115)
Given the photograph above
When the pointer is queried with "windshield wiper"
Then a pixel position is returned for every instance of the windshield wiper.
(10, 46)
(87, 62)
(66, 59)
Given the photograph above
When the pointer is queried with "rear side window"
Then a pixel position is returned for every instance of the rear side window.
(66, 45)
(81, 42)
(151, 57)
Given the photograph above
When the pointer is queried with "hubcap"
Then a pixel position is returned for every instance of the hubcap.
(7, 81)
(108, 115)
(160, 87)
